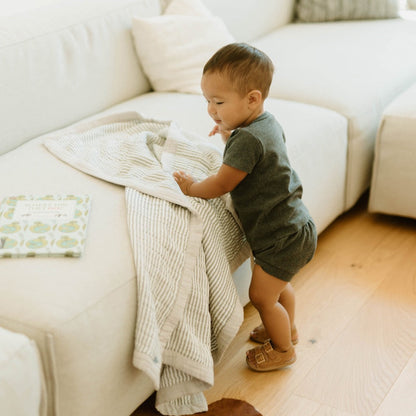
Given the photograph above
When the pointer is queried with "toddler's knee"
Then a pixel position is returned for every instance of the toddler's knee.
(257, 298)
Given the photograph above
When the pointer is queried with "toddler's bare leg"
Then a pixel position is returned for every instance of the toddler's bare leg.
(287, 300)
(265, 292)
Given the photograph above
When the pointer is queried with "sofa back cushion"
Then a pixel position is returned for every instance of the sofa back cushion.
(247, 20)
(64, 61)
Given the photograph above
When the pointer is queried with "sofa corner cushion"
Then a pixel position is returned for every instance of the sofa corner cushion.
(354, 68)
(394, 173)
(250, 19)
(173, 48)
(331, 10)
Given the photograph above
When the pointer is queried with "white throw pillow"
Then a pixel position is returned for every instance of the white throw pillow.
(173, 48)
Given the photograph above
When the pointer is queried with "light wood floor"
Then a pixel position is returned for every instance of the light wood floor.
(356, 316)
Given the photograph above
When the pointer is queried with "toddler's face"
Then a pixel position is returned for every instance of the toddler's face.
(226, 106)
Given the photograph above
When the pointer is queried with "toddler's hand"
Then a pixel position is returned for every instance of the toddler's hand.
(183, 180)
(214, 131)
(225, 134)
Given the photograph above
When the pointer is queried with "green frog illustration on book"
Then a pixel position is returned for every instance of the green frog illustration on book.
(36, 243)
(67, 242)
(12, 201)
(7, 243)
(69, 227)
(40, 228)
(14, 227)
(9, 213)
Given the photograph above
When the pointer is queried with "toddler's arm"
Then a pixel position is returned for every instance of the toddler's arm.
(216, 185)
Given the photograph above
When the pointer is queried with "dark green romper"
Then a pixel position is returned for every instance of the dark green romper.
(268, 200)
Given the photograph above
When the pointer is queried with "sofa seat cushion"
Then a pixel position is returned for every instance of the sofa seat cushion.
(317, 145)
(355, 68)
(80, 311)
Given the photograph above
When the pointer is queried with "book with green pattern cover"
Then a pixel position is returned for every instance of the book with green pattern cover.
(48, 225)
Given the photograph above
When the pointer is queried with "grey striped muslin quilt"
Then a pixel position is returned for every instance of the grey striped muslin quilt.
(185, 249)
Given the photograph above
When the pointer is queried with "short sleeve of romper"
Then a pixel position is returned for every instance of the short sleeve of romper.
(242, 151)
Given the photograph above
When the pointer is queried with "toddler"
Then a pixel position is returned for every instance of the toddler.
(265, 190)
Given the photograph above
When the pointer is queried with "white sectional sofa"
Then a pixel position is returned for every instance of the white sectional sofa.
(72, 60)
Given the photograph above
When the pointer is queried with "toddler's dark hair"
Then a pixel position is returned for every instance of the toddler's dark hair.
(247, 67)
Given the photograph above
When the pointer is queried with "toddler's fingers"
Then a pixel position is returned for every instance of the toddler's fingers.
(214, 131)
(178, 174)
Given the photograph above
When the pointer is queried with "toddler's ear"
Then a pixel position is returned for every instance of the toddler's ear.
(255, 97)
